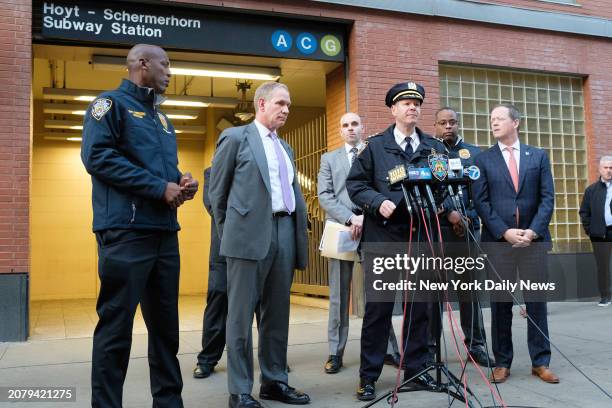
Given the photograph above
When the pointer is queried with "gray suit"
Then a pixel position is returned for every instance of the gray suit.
(334, 199)
(259, 269)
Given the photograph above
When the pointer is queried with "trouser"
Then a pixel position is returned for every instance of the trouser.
(137, 266)
(601, 249)
(267, 282)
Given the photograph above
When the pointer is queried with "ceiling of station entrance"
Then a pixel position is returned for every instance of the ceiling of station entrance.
(71, 68)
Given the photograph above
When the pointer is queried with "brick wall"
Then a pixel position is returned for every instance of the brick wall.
(15, 76)
(595, 8)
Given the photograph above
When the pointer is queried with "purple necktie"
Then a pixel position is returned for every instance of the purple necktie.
(284, 174)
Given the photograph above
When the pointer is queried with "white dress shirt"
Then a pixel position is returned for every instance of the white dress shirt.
(400, 139)
(349, 154)
(273, 169)
(516, 149)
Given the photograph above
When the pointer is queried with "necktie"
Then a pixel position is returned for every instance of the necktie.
(284, 174)
(353, 155)
(513, 168)
(408, 147)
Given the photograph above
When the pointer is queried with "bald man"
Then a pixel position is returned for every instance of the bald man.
(129, 149)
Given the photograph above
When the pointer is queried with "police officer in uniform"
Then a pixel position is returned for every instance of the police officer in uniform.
(129, 148)
(456, 239)
(387, 220)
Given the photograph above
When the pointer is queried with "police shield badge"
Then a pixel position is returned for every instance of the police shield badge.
(163, 121)
(100, 106)
(438, 164)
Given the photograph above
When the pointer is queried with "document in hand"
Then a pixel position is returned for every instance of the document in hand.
(336, 242)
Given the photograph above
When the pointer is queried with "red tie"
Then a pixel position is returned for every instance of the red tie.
(513, 168)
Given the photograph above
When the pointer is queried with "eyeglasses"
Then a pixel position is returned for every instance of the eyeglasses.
(451, 122)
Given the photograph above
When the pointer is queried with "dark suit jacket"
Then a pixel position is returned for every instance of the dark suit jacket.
(496, 200)
(592, 210)
(240, 197)
(205, 189)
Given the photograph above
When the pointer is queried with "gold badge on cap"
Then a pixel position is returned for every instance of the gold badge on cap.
(464, 154)
(163, 121)
(100, 107)
(411, 85)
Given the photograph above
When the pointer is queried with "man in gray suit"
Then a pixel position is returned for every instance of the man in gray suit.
(260, 215)
(334, 199)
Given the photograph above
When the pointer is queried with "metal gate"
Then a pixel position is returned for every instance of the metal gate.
(309, 142)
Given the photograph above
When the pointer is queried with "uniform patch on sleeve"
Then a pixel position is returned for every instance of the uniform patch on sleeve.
(100, 106)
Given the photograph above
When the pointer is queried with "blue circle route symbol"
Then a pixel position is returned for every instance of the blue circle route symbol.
(281, 40)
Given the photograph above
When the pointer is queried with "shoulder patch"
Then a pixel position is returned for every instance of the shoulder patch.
(100, 106)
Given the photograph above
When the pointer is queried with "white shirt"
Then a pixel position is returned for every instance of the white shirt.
(273, 169)
(400, 139)
(516, 149)
(607, 214)
(349, 155)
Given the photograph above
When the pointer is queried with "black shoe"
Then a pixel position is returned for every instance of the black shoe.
(282, 392)
(422, 381)
(482, 358)
(288, 369)
(366, 390)
(393, 359)
(203, 371)
(243, 401)
(333, 364)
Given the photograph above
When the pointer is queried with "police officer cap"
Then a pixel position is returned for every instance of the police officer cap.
(404, 90)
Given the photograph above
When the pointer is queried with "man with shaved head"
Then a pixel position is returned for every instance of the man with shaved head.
(334, 199)
(129, 149)
(596, 216)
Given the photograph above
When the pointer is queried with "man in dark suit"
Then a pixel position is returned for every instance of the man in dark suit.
(386, 221)
(260, 215)
(215, 314)
(596, 216)
(514, 197)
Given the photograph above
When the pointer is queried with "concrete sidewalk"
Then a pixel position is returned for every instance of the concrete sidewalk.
(582, 331)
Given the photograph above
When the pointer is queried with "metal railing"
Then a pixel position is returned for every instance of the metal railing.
(309, 142)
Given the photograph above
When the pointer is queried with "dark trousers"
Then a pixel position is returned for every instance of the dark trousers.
(601, 249)
(375, 334)
(469, 308)
(529, 263)
(137, 267)
(215, 314)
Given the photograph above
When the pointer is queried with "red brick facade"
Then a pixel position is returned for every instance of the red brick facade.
(384, 48)
(16, 77)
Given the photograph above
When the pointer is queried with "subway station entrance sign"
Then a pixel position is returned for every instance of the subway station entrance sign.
(179, 27)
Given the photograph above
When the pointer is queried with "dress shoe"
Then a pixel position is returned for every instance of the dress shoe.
(366, 390)
(482, 358)
(203, 371)
(500, 375)
(333, 364)
(393, 359)
(243, 401)
(422, 381)
(545, 374)
(282, 392)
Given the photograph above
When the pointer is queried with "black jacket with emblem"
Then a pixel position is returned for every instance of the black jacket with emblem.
(368, 186)
(129, 148)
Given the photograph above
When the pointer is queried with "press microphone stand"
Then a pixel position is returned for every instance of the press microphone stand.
(445, 381)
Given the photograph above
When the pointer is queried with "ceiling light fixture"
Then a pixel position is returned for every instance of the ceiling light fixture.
(79, 109)
(171, 100)
(110, 63)
(78, 125)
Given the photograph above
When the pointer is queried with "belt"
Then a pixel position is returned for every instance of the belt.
(281, 214)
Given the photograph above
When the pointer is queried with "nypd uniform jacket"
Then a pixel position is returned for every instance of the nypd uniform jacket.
(368, 186)
(129, 148)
